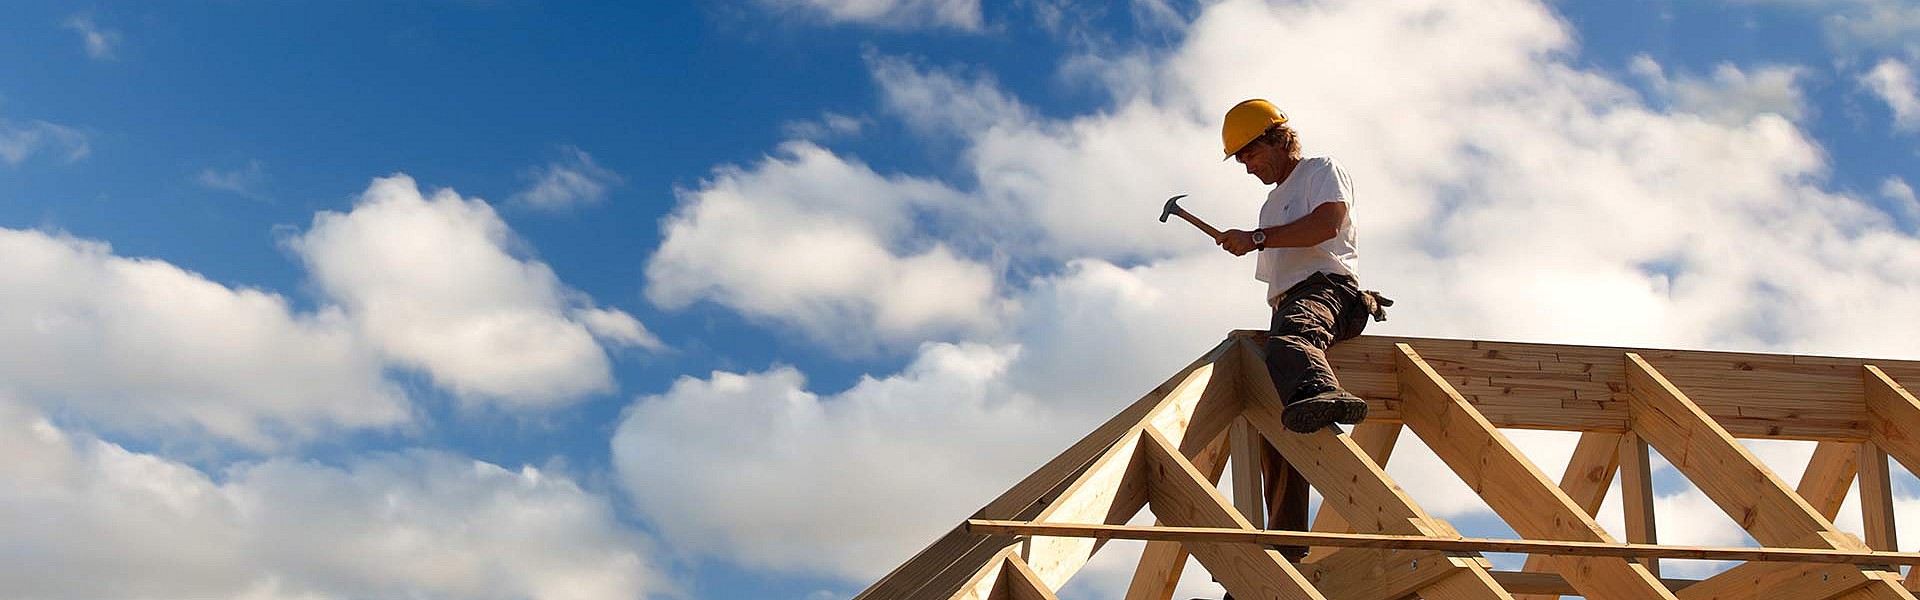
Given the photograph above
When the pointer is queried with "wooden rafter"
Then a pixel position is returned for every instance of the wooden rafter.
(1511, 485)
(1162, 562)
(1167, 451)
(1734, 479)
(1377, 440)
(1180, 495)
(1589, 472)
(1828, 476)
(1349, 481)
(941, 570)
(1019, 582)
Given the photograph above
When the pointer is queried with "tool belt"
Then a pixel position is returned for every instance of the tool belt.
(1375, 303)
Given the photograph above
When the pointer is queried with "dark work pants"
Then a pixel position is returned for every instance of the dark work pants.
(1311, 316)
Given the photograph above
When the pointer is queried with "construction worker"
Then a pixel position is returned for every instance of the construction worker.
(1308, 260)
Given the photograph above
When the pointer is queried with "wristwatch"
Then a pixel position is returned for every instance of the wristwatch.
(1259, 239)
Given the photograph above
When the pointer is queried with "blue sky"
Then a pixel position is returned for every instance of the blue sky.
(651, 297)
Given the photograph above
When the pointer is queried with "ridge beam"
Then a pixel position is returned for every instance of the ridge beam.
(1510, 484)
(1737, 482)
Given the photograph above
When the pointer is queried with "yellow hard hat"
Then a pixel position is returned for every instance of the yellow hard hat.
(1246, 121)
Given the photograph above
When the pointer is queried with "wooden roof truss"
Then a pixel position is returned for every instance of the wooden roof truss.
(1371, 541)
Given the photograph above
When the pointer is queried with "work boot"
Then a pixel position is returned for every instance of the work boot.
(1311, 413)
(1356, 411)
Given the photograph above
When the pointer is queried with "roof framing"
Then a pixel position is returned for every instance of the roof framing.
(1167, 452)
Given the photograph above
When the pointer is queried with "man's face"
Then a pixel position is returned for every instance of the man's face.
(1261, 161)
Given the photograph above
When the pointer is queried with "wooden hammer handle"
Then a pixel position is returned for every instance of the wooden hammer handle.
(1198, 223)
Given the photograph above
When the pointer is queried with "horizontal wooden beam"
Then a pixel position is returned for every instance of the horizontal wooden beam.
(1190, 535)
(1582, 388)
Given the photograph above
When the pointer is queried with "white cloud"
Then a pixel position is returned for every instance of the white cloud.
(1091, 26)
(963, 15)
(1862, 25)
(416, 524)
(244, 181)
(618, 327)
(141, 345)
(434, 282)
(100, 42)
(810, 240)
(1905, 206)
(21, 140)
(1731, 96)
(703, 460)
(828, 126)
(570, 182)
(1503, 193)
(1160, 13)
(940, 102)
(950, 432)
(1088, 187)
(1894, 84)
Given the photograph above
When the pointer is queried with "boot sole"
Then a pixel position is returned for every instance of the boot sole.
(1308, 416)
(1353, 411)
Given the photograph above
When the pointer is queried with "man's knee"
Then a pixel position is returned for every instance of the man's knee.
(1302, 334)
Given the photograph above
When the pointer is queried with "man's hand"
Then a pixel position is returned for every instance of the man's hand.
(1236, 241)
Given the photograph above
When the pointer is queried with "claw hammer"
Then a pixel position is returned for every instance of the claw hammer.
(1173, 208)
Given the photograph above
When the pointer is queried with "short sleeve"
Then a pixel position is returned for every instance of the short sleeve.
(1328, 183)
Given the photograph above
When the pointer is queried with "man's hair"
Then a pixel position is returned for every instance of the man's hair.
(1282, 138)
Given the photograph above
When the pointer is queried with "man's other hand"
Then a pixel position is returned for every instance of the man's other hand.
(1236, 241)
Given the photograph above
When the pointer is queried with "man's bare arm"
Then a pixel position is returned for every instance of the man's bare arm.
(1318, 226)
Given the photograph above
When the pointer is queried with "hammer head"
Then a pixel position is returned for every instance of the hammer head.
(1173, 204)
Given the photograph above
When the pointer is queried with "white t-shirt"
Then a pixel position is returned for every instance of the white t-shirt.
(1317, 180)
